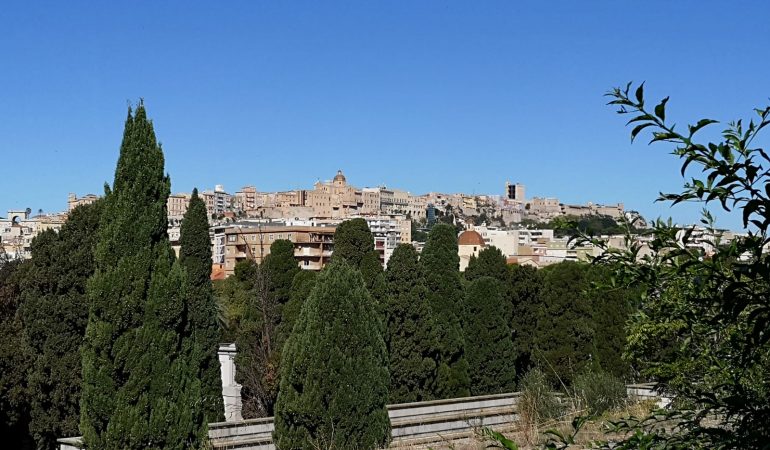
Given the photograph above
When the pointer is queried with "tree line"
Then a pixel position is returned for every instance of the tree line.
(107, 334)
(104, 332)
(314, 346)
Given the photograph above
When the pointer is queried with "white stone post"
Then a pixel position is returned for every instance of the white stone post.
(231, 391)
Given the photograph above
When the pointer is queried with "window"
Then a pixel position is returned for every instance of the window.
(231, 238)
(271, 236)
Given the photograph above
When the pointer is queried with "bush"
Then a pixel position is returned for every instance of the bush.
(599, 391)
(538, 403)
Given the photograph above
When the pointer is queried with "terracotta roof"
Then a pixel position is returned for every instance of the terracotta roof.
(470, 237)
(217, 272)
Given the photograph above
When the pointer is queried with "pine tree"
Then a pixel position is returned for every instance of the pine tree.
(334, 383)
(140, 389)
(488, 346)
(410, 330)
(54, 316)
(440, 264)
(195, 257)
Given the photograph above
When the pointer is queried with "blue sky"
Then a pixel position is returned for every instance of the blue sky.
(421, 95)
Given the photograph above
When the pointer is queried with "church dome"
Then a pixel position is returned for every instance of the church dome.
(470, 237)
(339, 177)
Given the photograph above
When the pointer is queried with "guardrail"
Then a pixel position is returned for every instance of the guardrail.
(411, 424)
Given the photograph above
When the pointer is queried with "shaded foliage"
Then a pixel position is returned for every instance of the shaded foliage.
(440, 265)
(54, 316)
(410, 335)
(195, 257)
(334, 384)
(489, 348)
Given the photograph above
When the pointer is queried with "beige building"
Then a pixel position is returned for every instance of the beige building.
(18, 230)
(177, 206)
(312, 245)
(218, 202)
(73, 201)
(469, 243)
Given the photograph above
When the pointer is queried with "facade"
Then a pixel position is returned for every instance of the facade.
(469, 243)
(177, 206)
(514, 191)
(217, 201)
(313, 245)
(18, 229)
(73, 201)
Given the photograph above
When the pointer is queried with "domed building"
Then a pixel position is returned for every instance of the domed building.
(333, 199)
(469, 243)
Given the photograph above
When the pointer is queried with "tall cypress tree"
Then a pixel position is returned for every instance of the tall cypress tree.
(140, 389)
(195, 257)
(440, 263)
(334, 382)
(524, 284)
(488, 346)
(54, 314)
(410, 329)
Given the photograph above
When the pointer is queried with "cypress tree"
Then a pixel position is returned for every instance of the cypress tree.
(488, 346)
(524, 285)
(16, 359)
(489, 263)
(440, 265)
(334, 383)
(301, 286)
(140, 389)
(353, 241)
(54, 316)
(564, 335)
(195, 257)
(410, 330)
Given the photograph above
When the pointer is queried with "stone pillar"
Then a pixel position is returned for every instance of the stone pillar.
(231, 391)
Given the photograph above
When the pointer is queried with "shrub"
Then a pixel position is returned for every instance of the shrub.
(538, 402)
(599, 391)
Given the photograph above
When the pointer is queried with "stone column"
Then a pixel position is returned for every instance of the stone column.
(231, 391)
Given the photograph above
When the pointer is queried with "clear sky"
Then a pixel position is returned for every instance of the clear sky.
(421, 95)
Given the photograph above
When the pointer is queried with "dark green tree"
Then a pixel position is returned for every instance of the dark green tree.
(410, 329)
(564, 336)
(488, 346)
(702, 328)
(54, 316)
(140, 388)
(334, 384)
(490, 262)
(16, 359)
(195, 257)
(440, 265)
(353, 241)
(524, 285)
(301, 286)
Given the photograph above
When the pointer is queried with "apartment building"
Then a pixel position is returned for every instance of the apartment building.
(313, 245)
(217, 201)
(177, 205)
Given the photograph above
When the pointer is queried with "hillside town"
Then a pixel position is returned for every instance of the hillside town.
(244, 224)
